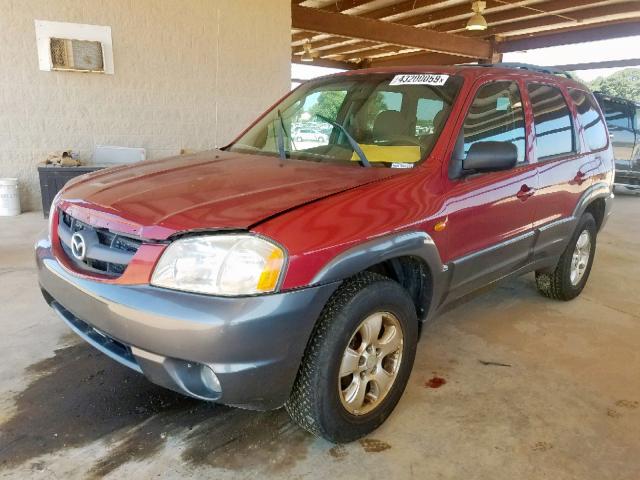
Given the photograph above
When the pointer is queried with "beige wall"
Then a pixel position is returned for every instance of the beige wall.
(188, 74)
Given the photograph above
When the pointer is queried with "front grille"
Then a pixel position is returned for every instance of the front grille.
(105, 252)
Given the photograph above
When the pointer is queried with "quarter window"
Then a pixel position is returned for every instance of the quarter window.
(496, 115)
(552, 118)
(595, 133)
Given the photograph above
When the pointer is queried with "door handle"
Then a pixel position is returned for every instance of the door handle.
(525, 192)
(579, 178)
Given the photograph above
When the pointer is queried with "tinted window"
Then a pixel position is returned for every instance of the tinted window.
(595, 134)
(617, 115)
(552, 118)
(496, 115)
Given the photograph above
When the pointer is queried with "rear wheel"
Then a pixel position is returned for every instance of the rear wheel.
(358, 360)
(572, 271)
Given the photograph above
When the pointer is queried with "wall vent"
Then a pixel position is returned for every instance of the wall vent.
(76, 55)
(74, 47)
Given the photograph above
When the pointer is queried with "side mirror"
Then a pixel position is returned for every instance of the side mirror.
(490, 157)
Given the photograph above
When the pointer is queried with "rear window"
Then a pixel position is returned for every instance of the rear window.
(552, 119)
(595, 133)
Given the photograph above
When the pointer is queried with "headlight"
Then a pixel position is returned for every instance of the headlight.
(220, 265)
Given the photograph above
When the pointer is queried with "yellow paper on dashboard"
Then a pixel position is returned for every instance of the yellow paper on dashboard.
(389, 153)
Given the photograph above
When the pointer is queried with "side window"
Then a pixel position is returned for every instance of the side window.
(637, 127)
(617, 115)
(552, 118)
(496, 115)
(595, 134)
(426, 111)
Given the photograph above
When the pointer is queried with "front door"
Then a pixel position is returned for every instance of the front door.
(489, 215)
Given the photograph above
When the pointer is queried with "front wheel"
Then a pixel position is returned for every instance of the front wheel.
(358, 360)
(572, 271)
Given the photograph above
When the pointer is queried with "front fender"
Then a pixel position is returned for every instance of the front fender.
(403, 244)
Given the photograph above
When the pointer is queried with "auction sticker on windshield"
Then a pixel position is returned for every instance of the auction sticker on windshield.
(420, 79)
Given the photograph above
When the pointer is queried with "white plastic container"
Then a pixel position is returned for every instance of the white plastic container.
(9, 197)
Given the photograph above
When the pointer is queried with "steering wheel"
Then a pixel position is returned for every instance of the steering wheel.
(397, 139)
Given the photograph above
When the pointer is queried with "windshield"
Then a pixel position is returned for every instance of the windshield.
(377, 120)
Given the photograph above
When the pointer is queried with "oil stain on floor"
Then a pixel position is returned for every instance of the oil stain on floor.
(79, 396)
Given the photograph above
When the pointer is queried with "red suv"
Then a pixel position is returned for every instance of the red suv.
(282, 270)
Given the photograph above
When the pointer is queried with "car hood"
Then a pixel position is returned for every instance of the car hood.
(207, 191)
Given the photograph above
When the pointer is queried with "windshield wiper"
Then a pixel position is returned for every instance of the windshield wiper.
(281, 130)
(352, 142)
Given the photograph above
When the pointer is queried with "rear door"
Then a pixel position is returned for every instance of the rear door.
(489, 215)
(564, 170)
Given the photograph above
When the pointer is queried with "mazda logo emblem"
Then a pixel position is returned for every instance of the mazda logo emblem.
(78, 246)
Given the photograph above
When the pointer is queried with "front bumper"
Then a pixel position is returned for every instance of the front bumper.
(253, 344)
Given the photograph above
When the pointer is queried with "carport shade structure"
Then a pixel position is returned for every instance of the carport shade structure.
(353, 34)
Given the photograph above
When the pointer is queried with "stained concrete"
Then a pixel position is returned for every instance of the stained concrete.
(508, 385)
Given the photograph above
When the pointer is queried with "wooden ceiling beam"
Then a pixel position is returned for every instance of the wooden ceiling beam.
(339, 6)
(382, 49)
(632, 9)
(565, 8)
(325, 62)
(572, 35)
(412, 59)
(402, 7)
(631, 62)
(335, 44)
(408, 6)
(314, 20)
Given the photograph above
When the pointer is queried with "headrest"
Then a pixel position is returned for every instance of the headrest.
(389, 123)
(438, 120)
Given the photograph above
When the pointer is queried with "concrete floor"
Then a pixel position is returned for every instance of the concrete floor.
(563, 404)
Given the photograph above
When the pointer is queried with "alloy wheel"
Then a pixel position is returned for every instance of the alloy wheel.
(580, 258)
(370, 363)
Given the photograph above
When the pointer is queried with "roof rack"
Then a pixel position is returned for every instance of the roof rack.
(530, 67)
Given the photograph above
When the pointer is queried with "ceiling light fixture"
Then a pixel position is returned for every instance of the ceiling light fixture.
(477, 21)
(307, 56)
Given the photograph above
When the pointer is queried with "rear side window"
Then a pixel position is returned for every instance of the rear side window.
(595, 133)
(552, 118)
(496, 115)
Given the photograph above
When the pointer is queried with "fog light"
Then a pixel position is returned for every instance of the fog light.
(209, 379)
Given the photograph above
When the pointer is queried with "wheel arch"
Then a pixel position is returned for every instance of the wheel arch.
(595, 200)
(410, 258)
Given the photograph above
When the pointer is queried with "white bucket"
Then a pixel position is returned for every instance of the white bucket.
(9, 197)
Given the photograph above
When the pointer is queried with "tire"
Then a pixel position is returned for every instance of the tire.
(559, 284)
(318, 400)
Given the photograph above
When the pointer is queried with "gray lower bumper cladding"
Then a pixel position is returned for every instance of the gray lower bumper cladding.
(242, 351)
